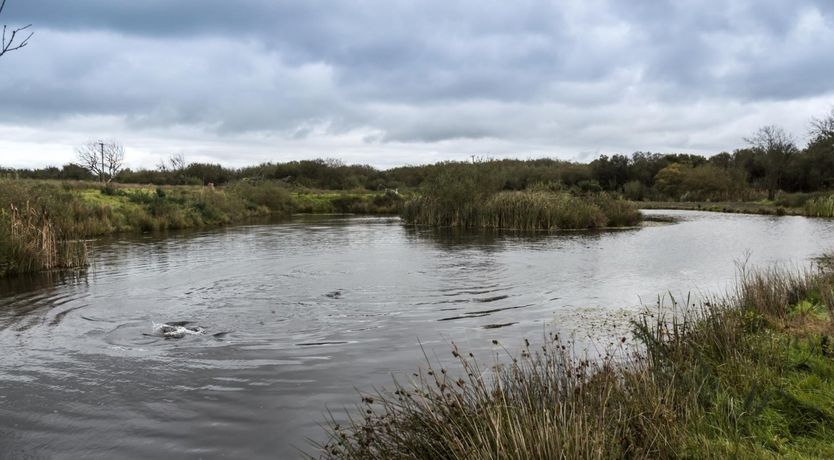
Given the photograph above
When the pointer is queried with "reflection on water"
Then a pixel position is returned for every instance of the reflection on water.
(297, 315)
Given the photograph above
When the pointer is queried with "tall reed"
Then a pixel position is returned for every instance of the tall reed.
(43, 223)
(30, 241)
(745, 376)
(528, 210)
(820, 207)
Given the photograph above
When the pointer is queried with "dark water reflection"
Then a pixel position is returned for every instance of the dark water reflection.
(314, 308)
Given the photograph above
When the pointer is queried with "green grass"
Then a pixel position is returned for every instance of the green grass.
(736, 207)
(358, 202)
(67, 212)
(42, 222)
(750, 375)
(819, 204)
(820, 207)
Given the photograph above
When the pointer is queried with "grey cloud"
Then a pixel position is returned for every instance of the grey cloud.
(571, 73)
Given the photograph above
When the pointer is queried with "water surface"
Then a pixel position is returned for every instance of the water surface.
(311, 309)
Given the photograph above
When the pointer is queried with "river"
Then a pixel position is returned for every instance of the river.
(309, 310)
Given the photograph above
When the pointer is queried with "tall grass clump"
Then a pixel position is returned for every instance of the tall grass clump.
(264, 196)
(34, 234)
(820, 207)
(525, 210)
(43, 223)
(357, 202)
(749, 375)
(471, 196)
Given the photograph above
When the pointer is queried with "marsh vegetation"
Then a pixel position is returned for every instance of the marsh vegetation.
(526, 211)
(744, 376)
(44, 224)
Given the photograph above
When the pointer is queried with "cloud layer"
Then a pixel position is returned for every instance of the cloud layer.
(394, 82)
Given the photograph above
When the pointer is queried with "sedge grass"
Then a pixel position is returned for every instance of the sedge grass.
(42, 223)
(528, 210)
(820, 207)
(750, 375)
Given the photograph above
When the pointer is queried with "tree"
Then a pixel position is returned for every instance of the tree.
(73, 171)
(10, 40)
(177, 162)
(611, 173)
(668, 180)
(102, 159)
(823, 128)
(776, 148)
(818, 159)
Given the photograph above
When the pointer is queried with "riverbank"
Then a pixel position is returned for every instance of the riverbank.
(735, 207)
(43, 224)
(808, 205)
(750, 375)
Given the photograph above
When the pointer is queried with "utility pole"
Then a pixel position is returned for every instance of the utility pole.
(101, 167)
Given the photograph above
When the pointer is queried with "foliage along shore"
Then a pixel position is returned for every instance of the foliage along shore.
(816, 205)
(769, 164)
(43, 224)
(526, 211)
(469, 196)
(750, 375)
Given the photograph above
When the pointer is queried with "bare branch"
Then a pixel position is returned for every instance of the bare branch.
(177, 162)
(823, 128)
(771, 139)
(775, 147)
(11, 44)
(103, 159)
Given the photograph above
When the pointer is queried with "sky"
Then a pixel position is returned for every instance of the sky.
(394, 82)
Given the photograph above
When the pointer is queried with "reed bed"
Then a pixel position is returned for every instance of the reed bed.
(820, 207)
(43, 224)
(30, 241)
(528, 210)
(750, 375)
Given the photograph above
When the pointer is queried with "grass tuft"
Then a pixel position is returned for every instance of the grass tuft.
(750, 375)
(528, 210)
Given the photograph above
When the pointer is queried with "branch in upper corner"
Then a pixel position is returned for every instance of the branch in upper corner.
(10, 40)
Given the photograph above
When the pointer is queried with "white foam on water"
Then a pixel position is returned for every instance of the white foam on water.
(167, 330)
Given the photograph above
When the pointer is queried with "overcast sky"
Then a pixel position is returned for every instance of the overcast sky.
(408, 82)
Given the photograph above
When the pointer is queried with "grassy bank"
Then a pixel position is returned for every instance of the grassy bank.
(734, 207)
(820, 207)
(795, 204)
(43, 223)
(747, 376)
(528, 210)
(357, 202)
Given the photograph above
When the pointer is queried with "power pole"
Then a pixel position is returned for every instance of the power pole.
(101, 167)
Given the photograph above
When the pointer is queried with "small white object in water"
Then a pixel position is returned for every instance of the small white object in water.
(175, 331)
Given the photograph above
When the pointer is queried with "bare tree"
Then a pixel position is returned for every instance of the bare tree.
(103, 159)
(823, 128)
(776, 147)
(177, 162)
(11, 41)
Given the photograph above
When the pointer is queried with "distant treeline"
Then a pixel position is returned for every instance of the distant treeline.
(770, 164)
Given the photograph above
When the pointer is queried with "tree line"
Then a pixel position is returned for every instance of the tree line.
(769, 163)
